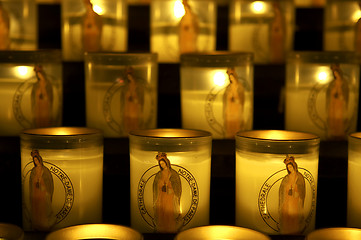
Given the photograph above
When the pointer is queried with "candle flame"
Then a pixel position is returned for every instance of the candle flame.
(178, 9)
(219, 78)
(23, 71)
(356, 15)
(258, 7)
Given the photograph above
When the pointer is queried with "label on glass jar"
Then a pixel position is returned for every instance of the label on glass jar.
(48, 193)
(172, 205)
(283, 203)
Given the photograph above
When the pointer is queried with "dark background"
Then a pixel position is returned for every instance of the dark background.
(268, 114)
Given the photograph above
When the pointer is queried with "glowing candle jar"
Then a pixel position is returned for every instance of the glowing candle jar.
(322, 90)
(62, 177)
(93, 26)
(121, 92)
(182, 26)
(31, 90)
(10, 231)
(276, 181)
(95, 231)
(18, 25)
(265, 28)
(215, 232)
(217, 92)
(342, 29)
(170, 172)
(354, 173)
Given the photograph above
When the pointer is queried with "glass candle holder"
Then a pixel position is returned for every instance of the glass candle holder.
(334, 234)
(121, 92)
(322, 90)
(11, 231)
(19, 25)
(276, 181)
(62, 177)
(215, 232)
(265, 28)
(217, 92)
(170, 172)
(342, 29)
(179, 27)
(353, 186)
(95, 231)
(93, 26)
(31, 90)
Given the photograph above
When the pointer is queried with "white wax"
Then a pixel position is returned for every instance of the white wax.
(193, 104)
(254, 170)
(85, 172)
(297, 117)
(197, 163)
(353, 189)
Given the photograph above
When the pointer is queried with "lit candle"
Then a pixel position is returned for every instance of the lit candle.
(262, 27)
(179, 26)
(169, 179)
(341, 26)
(215, 232)
(217, 92)
(354, 168)
(121, 92)
(31, 90)
(322, 90)
(93, 26)
(334, 234)
(276, 181)
(62, 177)
(95, 231)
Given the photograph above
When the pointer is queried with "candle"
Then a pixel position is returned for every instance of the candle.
(95, 231)
(93, 26)
(121, 92)
(31, 90)
(322, 90)
(11, 231)
(354, 167)
(334, 233)
(262, 27)
(169, 179)
(182, 26)
(217, 92)
(341, 26)
(18, 25)
(215, 232)
(276, 181)
(62, 177)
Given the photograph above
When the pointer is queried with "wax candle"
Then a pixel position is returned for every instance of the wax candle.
(18, 25)
(334, 233)
(93, 26)
(322, 90)
(31, 90)
(95, 231)
(276, 181)
(262, 27)
(217, 92)
(214, 232)
(341, 26)
(182, 26)
(121, 92)
(62, 177)
(169, 179)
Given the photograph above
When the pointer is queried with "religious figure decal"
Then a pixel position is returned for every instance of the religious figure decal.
(188, 30)
(167, 191)
(4, 28)
(357, 41)
(91, 29)
(292, 194)
(41, 195)
(277, 35)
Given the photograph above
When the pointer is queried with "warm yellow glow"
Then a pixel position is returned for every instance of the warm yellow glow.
(356, 16)
(98, 9)
(219, 78)
(23, 71)
(258, 7)
(178, 9)
(322, 76)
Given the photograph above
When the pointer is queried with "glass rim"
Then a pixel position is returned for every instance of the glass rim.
(170, 133)
(60, 131)
(277, 135)
(11, 231)
(332, 231)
